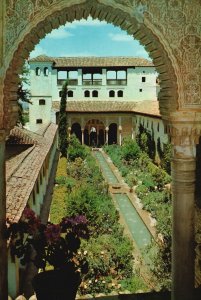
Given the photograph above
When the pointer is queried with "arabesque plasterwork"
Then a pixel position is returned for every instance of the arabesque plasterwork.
(174, 24)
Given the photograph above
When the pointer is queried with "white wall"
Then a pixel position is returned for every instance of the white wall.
(45, 87)
(154, 123)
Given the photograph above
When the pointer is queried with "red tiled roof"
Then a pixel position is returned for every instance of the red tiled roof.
(93, 61)
(20, 137)
(144, 107)
(22, 171)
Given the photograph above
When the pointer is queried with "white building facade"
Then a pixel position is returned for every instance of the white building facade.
(108, 97)
(106, 79)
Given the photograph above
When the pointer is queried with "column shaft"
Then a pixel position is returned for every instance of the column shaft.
(82, 136)
(183, 187)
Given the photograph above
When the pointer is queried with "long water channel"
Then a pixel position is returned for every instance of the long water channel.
(138, 230)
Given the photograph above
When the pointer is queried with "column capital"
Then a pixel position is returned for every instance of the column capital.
(184, 134)
(69, 129)
(184, 128)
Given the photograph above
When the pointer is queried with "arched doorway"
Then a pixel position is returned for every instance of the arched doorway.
(112, 134)
(174, 55)
(76, 129)
(94, 133)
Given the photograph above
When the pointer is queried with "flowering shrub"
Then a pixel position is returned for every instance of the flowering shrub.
(53, 244)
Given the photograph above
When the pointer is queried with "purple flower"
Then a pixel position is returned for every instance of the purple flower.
(52, 233)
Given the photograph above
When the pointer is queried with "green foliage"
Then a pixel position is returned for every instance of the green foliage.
(60, 180)
(131, 179)
(160, 255)
(166, 158)
(115, 152)
(63, 122)
(110, 260)
(160, 177)
(146, 142)
(141, 191)
(58, 205)
(130, 149)
(151, 180)
(23, 94)
(75, 149)
(108, 251)
(133, 284)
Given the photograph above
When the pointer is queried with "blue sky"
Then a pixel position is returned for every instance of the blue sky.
(89, 38)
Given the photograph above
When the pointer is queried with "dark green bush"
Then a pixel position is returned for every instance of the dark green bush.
(75, 149)
(130, 149)
(60, 180)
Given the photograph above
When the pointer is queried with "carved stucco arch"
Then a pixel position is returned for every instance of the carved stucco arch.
(58, 14)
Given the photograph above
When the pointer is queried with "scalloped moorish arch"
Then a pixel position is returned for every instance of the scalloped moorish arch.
(57, 15)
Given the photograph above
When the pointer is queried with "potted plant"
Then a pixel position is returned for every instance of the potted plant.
(51, 245)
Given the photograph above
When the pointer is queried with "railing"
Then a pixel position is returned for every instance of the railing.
(70, 81)
(92, 82)
(116, 82)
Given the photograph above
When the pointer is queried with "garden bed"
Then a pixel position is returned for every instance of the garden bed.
(80, 189)
(151, 185)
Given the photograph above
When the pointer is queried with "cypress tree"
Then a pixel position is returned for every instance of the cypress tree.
(63, 143)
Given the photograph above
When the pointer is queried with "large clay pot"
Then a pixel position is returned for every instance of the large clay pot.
(56, 285)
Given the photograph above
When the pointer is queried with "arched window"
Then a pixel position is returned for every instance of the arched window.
(41, 101)
(37, 71)
(120, 93)
(112, 93)
(95, 94)
(46, 71)
(70, 94)
(87, 93)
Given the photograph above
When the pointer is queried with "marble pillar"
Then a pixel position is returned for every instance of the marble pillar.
(183, 169)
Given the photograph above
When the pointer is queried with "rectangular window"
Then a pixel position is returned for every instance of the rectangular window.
(143, 79)
(140, 90)
(39, 121)
(42, 102)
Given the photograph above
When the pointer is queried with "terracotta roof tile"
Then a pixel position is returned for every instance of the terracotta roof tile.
(144, 107)
(93, 61)
(22, 171)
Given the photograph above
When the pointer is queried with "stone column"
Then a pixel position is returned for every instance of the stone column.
(3, 241)
(183, 191)
(82, 136)
(69, 132)
(133, 128)
(106, 135)
(97, 132)
(120, 135)
(79, 76)
(133, 134)
(104, 77)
